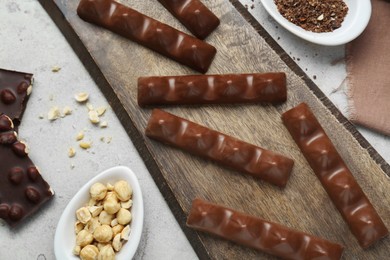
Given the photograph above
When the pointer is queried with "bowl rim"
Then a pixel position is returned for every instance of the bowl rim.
(81, 197)
(327, 39)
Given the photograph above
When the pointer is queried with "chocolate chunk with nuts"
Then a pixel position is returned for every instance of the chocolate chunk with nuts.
(22, 188)
(15, 88)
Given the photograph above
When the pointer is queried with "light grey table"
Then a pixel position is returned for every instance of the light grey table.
(30, 42)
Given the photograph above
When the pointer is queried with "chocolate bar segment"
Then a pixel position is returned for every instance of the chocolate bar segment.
(15, 88)
(212, 89)
(260, 234)
(213, 145)
(148, 32)
(22, 188)
(194, 15)
(336, 178)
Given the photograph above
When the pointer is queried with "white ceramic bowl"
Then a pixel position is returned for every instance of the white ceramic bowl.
(355, 22)
(65, 238)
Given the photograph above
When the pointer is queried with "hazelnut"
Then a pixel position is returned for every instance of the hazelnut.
(123, 190)
(101, 110)
(106, 253)
(98, 191)
(114, 222)
(127, 204)
(93, 117)
(78, 226)
(89, 252)
(111, 205)
(110, 187)
(84, 238)
(76, 250)
(81, 97)
(95, 210)
(123, 216)
(85, 145)
(125, 233)
(54, 113)
(92, 225)
(71, 152)
(80, 136)
(103, 233)
(116, 243)
(83, 215)
(117, 229)
(105, 218)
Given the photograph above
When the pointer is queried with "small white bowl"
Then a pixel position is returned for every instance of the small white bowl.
(65, 237)
(354, 23)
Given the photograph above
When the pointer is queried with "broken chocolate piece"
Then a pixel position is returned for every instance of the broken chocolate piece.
(335, 177)
(148, 32)
(221, 148)
(194, 15)
(22, 188)
(262, 235)
(15, 88)
(212, 89)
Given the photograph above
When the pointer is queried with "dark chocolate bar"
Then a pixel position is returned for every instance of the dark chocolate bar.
(212, 89)
(226, 150)
(22, 188)
(15, 88)
(336, 178)
(194, 15)
(260, 234)
(148, 32)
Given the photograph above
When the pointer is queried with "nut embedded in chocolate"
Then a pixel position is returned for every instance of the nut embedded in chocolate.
(15, 213)
(7, 138)
(7, 96)
(20, 149)
(6, 123)
(4, 209)
(33, 195)
(33, 173)
(16, 175)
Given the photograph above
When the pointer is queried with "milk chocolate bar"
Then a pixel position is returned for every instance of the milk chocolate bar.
(22, 188)
(148, 32)
(15, 88)
(260, 234)
(212, 89)
(336, 178)
(194, 15)
(213, 145)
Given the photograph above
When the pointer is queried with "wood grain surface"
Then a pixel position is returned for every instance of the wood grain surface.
(243, 47)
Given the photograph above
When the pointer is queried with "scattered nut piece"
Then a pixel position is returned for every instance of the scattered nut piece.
(84, 238)
(81, 97)
(125, 233)
(122, 190)
(103, 233)
(98, 191)
(109, 139)
(106, 253)
(76, 250)
(54, 113)
(80, 136)
(102, 138)
(123, 216)
(101, 111)
(116, 243)
(89, 106)
(71, 152)
(55, 69)
(93, 117)
(89, 252)
(85, 145)
(127, 204)
(103, 124)
(321, 17)
(95, 210)
(67, 111)
(83, 215)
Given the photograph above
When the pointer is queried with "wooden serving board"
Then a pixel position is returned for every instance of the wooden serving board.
(243, 47)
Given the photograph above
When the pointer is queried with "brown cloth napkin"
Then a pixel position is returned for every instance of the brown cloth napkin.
(368, 68)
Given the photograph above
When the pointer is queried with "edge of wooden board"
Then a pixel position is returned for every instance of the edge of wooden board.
(136, 136)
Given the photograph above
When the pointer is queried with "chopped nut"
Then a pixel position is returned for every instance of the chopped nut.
(54, 113)
(127, 204)
(123, 190)
(71, 152)
(95, 210)
(84, 238)
(98, 191)
(91, 202)
(67, 111)
(101, 245)
(105, 218)
(116, 243)
(83, 215)
(93, 117)
(78, 226)
(89, 252)
(109, 139)
(110, 187)
(123, 216)
(85, 145)
(80, 136)
(81, 97)
(114, 222)
(92, 225)
(103, 233)
(117, 229)
(101, 110)
(321, 17)
(89, 106)
(103, 124)
(106, 253)
(76, 250)
(55, 69)
(125, 233)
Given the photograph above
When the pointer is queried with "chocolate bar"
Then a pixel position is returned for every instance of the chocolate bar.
(336, 178)
(22, 188)
(15, 88)
(194, 15)
(213, 145)
(148, 32)
(212, 89)
(260, 234)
